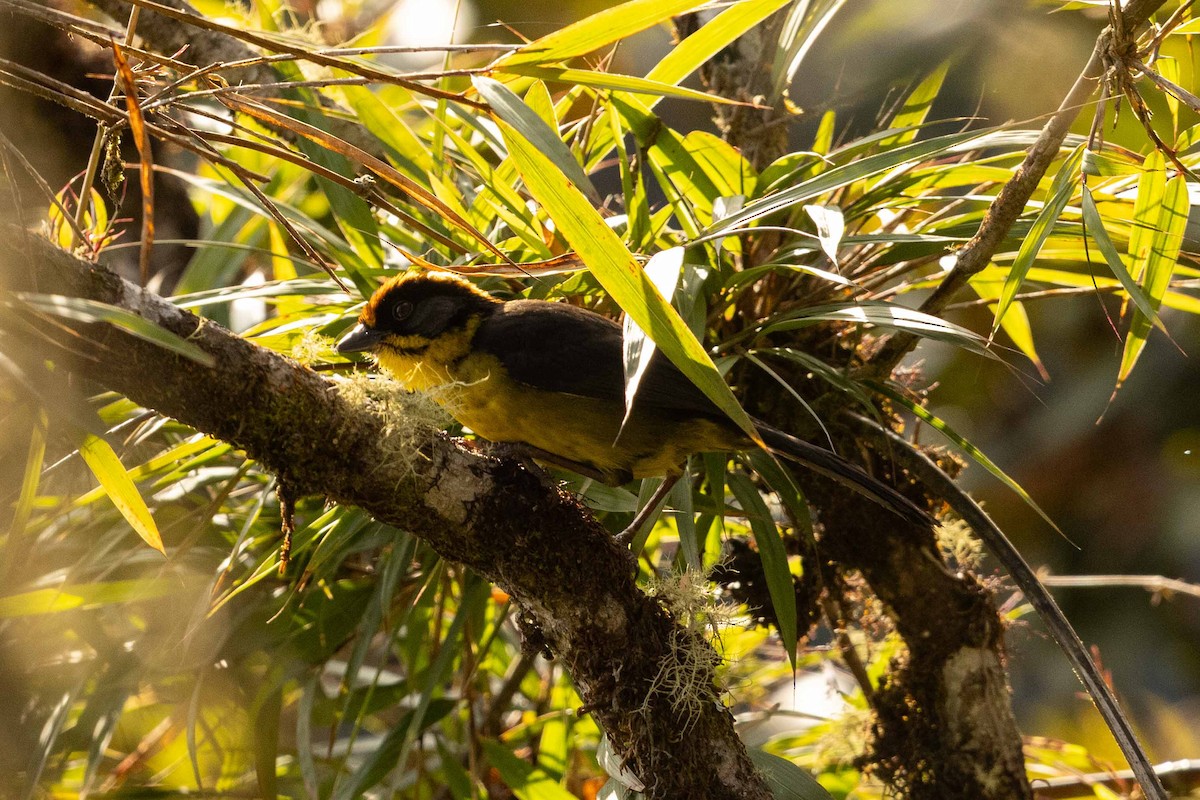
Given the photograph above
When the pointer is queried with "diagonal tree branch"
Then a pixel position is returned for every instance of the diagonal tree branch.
(509, 524)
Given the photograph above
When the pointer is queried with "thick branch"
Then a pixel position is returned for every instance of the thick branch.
(1014, 195)
(510, 525)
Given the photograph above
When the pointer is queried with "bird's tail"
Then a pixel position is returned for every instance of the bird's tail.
(831, 465)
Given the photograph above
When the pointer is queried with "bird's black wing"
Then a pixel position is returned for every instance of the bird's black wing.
(563, 348)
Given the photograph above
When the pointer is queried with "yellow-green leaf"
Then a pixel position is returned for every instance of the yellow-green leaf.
(598, 30)
(532, 128)
(84, 596)
(1061, 189)
(107, 468)
(611, 80)
(713, 36)
(974, 452)
(1015, 322)
(1161, 251)
(619, 273)
(916, 107)
(780, 585)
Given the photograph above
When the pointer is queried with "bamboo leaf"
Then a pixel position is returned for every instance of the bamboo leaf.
(1061, 189)
(596, 31)
(971, 450)
(886, 315)
(619, 273)
(83, 310)
(525, 121)
(614, 81)
(916, 106)
(1095, 227)
(107, 468)
(83, 596)
(1015, 323)
(664, 270)
(786, 780)
(837, 177)
(1160, 253)
(774, 559)
(687, 56)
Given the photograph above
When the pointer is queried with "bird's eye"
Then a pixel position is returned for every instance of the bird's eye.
(401, 310)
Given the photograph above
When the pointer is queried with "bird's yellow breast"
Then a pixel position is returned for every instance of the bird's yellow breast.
(477, 391)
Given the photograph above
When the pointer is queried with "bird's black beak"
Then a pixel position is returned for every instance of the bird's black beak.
(359, 339)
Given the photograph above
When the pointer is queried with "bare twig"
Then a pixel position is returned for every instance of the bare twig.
(1158, 584)
(1183, 776)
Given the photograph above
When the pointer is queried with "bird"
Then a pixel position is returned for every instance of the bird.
(549, 377)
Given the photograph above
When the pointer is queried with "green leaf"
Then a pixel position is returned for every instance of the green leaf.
(1159, 223)
(34, 460)
(107, 468)
(596, 31)
(664, 270)
(886, 315)
(612, 81)
(774, 559)
(786, 780)
(1061, 189)
(801, 29)
(266, 732)
(838, 177)
(525, 121)
(974, 452)
(83, 310)
(1015, 322)
(715, 35)
(1095, 227)
(916, 106)
(83, 596)
(527, 781)
(619, 273)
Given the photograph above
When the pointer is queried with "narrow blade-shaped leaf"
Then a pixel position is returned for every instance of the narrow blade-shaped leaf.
(664, 270)
(687, 56)
(888, 315)
(107, 468)
(81, 309)
(1015, 322)
(1095, 228)
(916, 106)
(1061, 189)
(774, 559)
(614, 81)
(619, 273)
(596, 31)
(838, 177)
(1166, 239)
(513, 110)
(939, 425)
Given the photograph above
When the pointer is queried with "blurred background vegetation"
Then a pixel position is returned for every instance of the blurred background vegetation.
(125, 673)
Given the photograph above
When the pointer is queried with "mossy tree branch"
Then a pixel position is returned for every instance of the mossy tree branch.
(511, 525)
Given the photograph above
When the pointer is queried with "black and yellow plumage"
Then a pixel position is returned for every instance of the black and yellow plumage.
(550, 376)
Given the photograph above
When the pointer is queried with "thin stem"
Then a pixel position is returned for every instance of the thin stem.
(89, 175)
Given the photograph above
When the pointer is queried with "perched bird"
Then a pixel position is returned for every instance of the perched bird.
(550, 376)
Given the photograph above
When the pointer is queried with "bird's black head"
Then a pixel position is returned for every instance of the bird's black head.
(411, 310)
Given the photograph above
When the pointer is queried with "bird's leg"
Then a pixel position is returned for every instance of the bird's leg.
(648, 512)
